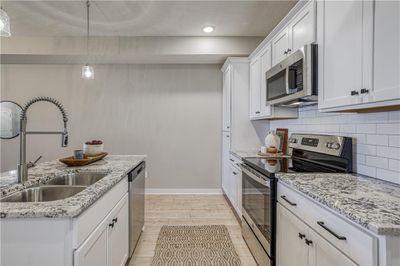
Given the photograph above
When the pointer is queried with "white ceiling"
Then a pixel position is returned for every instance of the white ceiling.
(145, 18)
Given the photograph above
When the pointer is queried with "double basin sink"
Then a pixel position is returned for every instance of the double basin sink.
(61, 187)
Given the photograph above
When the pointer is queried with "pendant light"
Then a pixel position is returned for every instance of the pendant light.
(4, 23)
(87, 70)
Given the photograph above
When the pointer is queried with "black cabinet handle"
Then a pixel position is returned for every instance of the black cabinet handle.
(111, 224)
(288, 201)
(115, 220)
(289, 50)
(285, 52)
(322, 224)
(308, 242)
(301, 236)
(257, 112)
(354, 93)
(363, 91)
(234, 173)
(231, 160)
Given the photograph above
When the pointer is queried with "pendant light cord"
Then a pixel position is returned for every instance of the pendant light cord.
(87, 27)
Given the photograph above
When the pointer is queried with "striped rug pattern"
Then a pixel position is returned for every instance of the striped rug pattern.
(204, 245)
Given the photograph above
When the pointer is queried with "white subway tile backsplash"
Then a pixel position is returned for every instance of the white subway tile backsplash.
(348, 128)
(382, 140)
(366, 170)
(389, 129)
(378, 162)
(394, 141)
(366, 128)
(394, 165)
(376, 137)
(388, 175)
(366, 149)
(388, 152)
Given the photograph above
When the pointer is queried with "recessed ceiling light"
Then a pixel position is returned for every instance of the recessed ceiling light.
(208, 29)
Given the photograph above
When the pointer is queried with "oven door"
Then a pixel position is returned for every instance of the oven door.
(258, 202)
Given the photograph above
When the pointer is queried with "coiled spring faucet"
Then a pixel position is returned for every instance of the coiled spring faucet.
(23, 166)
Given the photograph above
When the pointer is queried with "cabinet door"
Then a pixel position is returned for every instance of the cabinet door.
(226, 100)
(301, 29)
(291, 233)
(118, 235)
(386, 52)
(93, 252)
(280, 45)
(255, 70)
(340, 41)
(265, 110)
(233, 186)
(226, 143)
(322, 253)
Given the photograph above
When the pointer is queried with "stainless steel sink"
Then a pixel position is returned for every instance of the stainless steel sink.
(79, 179)
(43, 193)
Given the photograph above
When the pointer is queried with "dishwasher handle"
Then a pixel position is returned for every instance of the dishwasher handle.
(135, 172)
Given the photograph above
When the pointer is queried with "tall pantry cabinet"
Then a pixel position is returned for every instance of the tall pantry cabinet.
(238, 132)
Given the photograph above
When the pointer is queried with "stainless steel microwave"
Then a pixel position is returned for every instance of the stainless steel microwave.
(293, 82)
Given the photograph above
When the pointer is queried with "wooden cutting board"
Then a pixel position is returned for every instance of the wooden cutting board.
(71, 161)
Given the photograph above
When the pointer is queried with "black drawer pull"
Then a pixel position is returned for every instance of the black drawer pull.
(301, 236)
(234, 173)
(322, 224)
(288, 201)
(115, 220)
(231, 160)
(354, 93)
(363, 91)
(111, 225)
(308, 242)
(257, 112)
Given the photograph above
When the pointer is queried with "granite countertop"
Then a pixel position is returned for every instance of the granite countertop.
(245, 153)
(369, 202)
(117, 166)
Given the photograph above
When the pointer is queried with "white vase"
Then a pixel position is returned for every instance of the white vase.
(272, 140)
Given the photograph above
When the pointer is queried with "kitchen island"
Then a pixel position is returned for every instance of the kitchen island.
(88, 228)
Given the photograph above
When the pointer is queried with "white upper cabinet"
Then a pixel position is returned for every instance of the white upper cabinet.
(226, 100)
(302, 28)
(386, 82)
(280, 46)
(255, 87)
(265, 58)
(299, 32)
(259, 109)
(358, 51)
(340, 43)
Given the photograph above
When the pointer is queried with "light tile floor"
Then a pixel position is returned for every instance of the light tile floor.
(187, 210)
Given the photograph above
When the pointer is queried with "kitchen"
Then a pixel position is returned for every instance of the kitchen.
(271, 126)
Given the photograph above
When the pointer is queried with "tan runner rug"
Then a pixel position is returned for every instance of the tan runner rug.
(195, 245)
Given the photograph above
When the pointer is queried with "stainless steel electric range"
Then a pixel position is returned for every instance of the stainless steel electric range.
(309, 153)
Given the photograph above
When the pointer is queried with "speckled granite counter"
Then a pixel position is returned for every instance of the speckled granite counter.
(242, 153)
(117, 167)
(369, 202)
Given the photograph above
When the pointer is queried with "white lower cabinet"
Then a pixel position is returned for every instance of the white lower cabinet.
(291, 249)
(298, 244)
(232, 184)
(322, 253)
(108, 244)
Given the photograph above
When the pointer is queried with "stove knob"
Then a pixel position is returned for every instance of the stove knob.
(335, 146)
(328, 145)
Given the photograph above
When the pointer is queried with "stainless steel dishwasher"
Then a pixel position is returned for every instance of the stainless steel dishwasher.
(136, 180)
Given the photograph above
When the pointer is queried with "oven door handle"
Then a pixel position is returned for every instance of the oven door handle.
(256, 178)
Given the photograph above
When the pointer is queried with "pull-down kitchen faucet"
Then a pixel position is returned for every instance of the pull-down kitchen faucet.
(22, 166)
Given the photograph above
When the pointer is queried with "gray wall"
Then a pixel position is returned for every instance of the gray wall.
(172, 113)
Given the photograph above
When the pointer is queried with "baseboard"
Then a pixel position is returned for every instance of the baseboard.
(183, 191)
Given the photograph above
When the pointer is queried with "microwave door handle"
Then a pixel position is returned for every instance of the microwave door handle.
(287, 80)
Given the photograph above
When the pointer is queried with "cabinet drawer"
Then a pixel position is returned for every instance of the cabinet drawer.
(352, 241)
(235, 161)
